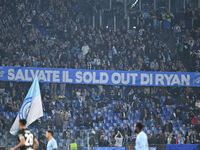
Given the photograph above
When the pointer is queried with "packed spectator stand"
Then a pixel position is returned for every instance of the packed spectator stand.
(87, 34)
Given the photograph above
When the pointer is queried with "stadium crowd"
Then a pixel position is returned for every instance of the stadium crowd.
(60, 34)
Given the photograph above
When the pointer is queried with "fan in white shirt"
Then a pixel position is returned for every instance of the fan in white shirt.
(118, 139)
(85, 49)
(141, 142)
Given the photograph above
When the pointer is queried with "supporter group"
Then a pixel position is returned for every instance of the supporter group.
(62, 34)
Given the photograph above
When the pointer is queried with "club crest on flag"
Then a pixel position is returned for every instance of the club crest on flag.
(23, 113)
(31, 108)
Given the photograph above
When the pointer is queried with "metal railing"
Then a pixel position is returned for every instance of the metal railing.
(7, 141)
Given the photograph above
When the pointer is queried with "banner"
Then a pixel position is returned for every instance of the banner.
(105, 77)
(115, 148)
(182, 147)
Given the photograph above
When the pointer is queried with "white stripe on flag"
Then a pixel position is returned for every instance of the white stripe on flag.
(31, 109)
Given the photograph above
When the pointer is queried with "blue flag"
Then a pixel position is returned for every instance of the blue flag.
(31, 109)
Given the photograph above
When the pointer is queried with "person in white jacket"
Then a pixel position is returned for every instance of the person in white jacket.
(118, 139)
(141, 142)
(85, 49)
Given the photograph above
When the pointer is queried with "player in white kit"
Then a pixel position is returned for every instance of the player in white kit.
(141, 142)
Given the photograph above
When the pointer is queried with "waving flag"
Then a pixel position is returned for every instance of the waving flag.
(31, 108)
